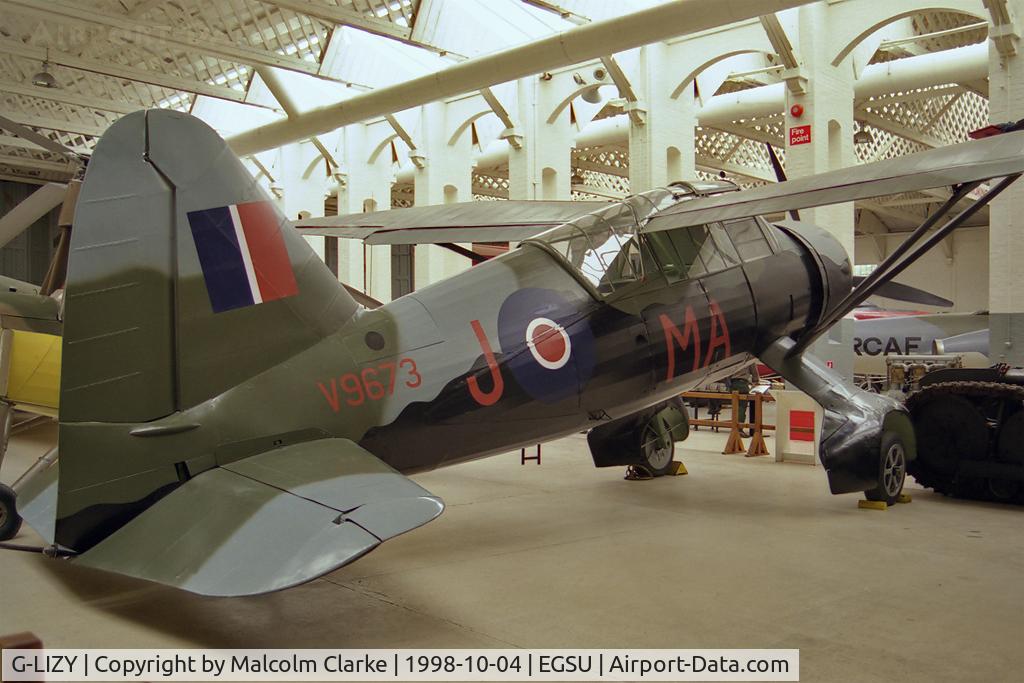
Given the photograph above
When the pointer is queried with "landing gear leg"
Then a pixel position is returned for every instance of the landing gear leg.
(6, 419)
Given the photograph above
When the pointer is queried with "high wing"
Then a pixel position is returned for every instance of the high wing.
(500, 221)
(993, 157)
(270, 521)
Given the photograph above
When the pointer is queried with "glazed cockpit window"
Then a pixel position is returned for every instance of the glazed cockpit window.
(706, 247)
(601, 246)
(677, 253)
(749, 240)
(724, 244)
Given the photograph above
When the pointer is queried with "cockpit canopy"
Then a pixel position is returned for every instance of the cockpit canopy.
(607, 251)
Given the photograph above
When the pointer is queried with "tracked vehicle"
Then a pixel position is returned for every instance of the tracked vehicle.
(970, 432)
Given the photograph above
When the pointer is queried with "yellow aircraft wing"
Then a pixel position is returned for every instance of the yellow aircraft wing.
(32, 371)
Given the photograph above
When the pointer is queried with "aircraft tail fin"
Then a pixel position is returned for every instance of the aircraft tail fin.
(183, 280)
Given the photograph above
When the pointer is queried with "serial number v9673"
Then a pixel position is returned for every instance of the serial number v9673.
(371, 384)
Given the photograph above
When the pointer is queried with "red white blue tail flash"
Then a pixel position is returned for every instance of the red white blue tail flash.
(243, 255)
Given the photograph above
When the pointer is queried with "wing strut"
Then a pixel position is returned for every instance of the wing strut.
(894, 264)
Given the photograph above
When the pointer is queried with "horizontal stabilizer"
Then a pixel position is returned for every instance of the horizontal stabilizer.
(268, 522)
(463, 222)
(993, 157)
(341, 475)
(37, 499)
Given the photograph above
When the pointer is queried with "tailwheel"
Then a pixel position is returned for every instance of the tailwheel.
(892, 470)
(10, 520)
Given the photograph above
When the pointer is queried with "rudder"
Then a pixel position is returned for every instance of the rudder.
(170, 229)
(184, 280)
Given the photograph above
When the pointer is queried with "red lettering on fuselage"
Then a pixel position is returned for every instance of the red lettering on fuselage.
(486, 398)
(372, 383)
(690, 333)
(690, 337)
(332, 396)
(719, 333)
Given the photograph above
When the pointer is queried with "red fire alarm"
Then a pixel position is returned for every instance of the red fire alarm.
(797, 110)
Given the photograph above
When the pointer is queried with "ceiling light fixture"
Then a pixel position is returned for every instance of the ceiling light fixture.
(44, 79)
(863, 137)
(592, 94)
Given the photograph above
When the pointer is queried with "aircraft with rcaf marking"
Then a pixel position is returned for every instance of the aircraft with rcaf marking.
(233, 422)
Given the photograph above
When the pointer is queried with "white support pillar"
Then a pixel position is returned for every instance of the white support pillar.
(661, 135)
(367, 188)
(304, 183)
(1006, 223)
(445, 178)
(827, 119)
(542, 166)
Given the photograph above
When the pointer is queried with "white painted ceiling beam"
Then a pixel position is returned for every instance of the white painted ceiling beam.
(67, 97)
(342, 16)
(561, 49)
(36, 164)
(33, 121)
(22, 143)
(566, 14)
(177, 37)
(1003, 33)
(104, 68)
(29, 210)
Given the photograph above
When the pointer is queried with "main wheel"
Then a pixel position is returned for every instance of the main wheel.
(10, 520)
(892, 470)
(655, 457)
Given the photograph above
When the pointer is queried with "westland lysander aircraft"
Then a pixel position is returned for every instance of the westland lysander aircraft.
(232, 422)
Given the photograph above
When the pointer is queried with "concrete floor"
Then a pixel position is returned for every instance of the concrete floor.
(742, 553)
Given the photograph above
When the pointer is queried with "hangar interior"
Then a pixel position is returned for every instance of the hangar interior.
(875, 82)
(740, 553)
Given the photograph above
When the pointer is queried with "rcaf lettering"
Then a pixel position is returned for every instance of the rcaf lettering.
(690, 337)
(873, 346)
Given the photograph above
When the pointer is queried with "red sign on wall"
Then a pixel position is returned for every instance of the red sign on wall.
(799, 135)
(801, 425)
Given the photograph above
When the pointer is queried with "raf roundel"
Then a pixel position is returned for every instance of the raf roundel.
(549, 343)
